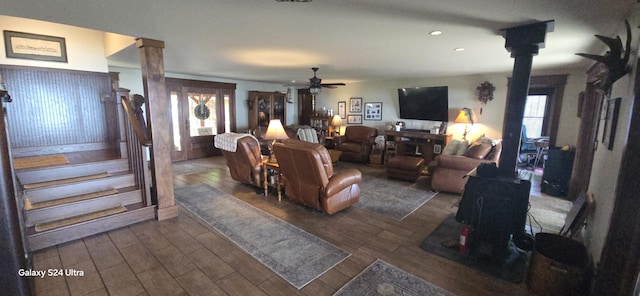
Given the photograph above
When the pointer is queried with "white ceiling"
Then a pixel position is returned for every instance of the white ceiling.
(350, 40)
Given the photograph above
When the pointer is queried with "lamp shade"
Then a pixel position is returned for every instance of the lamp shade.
(466, 115)
(336, 120)
(275, 131)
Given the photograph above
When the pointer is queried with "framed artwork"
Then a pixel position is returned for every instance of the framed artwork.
(373, 111)
(342, 109)
(355, 105)
(354, 119)
(580, 103)
(35, 47)
(437, 149)
(611, 122)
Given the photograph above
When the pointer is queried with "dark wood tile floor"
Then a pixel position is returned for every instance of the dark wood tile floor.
(184, 256)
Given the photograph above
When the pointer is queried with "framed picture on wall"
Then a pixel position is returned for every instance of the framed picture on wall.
(354, 119)
(373, 111)
(355, 105)
(610, 122)
(342, 109)
(29, 46)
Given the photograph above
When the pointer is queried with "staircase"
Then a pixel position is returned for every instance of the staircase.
(71, 201)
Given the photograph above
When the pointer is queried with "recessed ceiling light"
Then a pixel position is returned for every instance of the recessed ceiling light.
(458, 49)
(293, 0)
(435, 33)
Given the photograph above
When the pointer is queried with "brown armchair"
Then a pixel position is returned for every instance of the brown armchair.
(356, 143)
(309, 178)
(450, 171)
(245, 164)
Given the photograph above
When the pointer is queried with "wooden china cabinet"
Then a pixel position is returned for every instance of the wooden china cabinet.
(264, 106)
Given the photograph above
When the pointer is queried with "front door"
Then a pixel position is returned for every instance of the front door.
(198, 114)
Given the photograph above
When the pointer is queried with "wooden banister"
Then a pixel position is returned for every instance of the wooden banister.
(137, 142)
(137, 122)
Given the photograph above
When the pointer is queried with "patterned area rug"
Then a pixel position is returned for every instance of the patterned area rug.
(382, 278)
(197, 166)
(294, 254)
(394, 198)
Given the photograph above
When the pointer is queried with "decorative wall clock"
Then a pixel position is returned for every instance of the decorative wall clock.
(485, 92)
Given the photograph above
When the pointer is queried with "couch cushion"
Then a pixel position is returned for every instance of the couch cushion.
(462, 148)
(478, 150)
(351, 147)
(451, 148)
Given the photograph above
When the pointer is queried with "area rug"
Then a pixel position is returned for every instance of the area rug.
(512, 269)
(39, 161)
(382, 278)
(196, 166)
(294, 254)
(393, 198)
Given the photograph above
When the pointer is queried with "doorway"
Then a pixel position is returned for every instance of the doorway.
(199, 111)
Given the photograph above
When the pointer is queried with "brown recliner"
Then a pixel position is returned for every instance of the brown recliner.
(245, 164)
(356, 143)
(449, 174)
(309, 178)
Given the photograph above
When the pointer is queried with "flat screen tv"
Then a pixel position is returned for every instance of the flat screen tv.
(424, 103)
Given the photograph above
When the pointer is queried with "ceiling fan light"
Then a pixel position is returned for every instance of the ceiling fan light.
(314, 90)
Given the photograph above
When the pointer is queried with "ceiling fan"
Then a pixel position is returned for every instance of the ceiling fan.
(315, 82)
(315, 85)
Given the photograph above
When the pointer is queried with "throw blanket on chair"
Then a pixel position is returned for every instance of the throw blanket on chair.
(229, 141)
(308, 135)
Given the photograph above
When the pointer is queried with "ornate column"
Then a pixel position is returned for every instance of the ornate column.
(523, 42)
(158, 123)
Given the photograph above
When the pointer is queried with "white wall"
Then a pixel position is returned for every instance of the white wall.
(462, 93)
(85, 48)
(606, 163)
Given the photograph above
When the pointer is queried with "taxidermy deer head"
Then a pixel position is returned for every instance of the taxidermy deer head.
(615, 59)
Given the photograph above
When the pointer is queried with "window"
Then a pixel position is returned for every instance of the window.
(534, 115)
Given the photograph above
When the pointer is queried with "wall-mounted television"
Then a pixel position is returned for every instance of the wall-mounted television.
(424, 103)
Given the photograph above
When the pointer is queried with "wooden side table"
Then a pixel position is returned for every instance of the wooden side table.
(275, 167)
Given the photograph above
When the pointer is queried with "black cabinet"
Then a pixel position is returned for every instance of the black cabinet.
(557, 172)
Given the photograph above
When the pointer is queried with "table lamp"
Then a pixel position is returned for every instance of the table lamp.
(336, 122)
(275, 132)
(466, 116)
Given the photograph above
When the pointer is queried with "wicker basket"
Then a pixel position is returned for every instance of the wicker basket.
(559, 266)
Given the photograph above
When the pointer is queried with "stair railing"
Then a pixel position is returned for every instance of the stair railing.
(138, 141)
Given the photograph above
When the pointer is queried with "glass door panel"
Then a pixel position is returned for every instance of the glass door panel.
(177, 128)
(227, 113)
(202, 114)
(264, 110)
(175, 122)
(278, 107)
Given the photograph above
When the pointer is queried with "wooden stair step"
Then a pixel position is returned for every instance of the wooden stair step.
(135, 213)
(50, 203)
(66, 181)
(78, 219)
(72, 170)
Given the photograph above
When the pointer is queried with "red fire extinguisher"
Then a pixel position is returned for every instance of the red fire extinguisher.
(464, 238)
